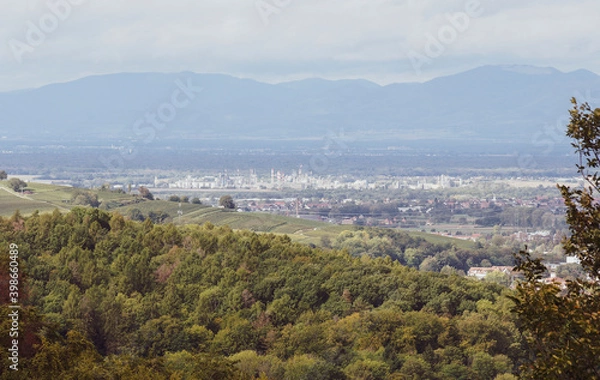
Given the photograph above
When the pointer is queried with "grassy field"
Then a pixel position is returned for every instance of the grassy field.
(437, 239)
(47, 198)
(300, 230)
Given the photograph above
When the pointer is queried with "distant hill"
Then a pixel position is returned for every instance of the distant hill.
(496, 103)
(47, 198)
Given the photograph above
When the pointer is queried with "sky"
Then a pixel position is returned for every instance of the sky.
(385, 41)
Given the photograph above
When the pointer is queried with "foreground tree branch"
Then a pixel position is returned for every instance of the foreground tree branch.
(562, 326)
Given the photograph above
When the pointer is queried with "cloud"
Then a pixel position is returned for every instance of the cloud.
(327, 38)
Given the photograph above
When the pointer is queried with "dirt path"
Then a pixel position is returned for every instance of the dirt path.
(16, 194)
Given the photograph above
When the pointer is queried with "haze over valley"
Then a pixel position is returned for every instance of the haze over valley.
(299, 190)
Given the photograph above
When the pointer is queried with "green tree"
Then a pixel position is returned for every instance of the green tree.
(16, 184)
(145, 193)
(3, 175)
(236, 336)
(136, 214)
(367, 369)
(73, 358)
(305, 367)
(430, 264)
(562, 326)
(84, 198)
(158, 216)
(185, 365)
(227, 202)
(251, 364)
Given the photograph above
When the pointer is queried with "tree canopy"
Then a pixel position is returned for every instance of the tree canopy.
(227, 202)
(562, 326)
(108, 297)
(16, 184)
(145, 193)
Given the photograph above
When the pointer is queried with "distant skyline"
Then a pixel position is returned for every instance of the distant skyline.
(385, 41)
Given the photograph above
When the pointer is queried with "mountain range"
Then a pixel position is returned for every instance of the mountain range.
(494, 103)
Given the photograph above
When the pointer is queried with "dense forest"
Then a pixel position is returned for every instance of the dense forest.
(104, 297)
(418, 253)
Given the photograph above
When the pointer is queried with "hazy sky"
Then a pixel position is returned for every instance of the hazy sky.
(46, 41)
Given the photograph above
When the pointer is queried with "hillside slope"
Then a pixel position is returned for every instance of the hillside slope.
(106, 297)
(47, 198)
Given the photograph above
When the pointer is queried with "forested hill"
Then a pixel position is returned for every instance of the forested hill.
(108, 298)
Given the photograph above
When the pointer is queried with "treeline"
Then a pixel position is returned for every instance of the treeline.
(494, 215)
(104, 297)
(439, 212)
(418, 253)
(528, 217)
